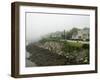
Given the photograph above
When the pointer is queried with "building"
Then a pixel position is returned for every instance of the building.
(82, 34)
(57, 34)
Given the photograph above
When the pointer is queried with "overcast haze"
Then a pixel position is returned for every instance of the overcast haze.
(38, 24)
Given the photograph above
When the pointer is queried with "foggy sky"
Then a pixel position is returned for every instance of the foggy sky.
(38, 24)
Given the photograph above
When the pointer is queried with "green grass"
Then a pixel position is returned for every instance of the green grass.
(75, 44)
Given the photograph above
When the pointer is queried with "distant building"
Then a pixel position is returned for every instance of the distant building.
(77, 35)
(57, 34)
(82, 34)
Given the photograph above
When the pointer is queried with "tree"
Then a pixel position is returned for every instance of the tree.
(71, 32)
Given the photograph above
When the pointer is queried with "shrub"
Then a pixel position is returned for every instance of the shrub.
(85, 46)
(71, 47)
(75, 52)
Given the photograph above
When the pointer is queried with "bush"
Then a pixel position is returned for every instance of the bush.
(76, 53)
(85, 46)
(71, 47)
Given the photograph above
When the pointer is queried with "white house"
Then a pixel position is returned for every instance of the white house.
(81, 34)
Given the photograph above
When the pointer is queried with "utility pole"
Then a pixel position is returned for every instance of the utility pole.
(64, 34)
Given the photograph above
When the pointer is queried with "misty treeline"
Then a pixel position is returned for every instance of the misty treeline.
(73, 34)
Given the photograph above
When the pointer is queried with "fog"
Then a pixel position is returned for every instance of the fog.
(39, 24)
